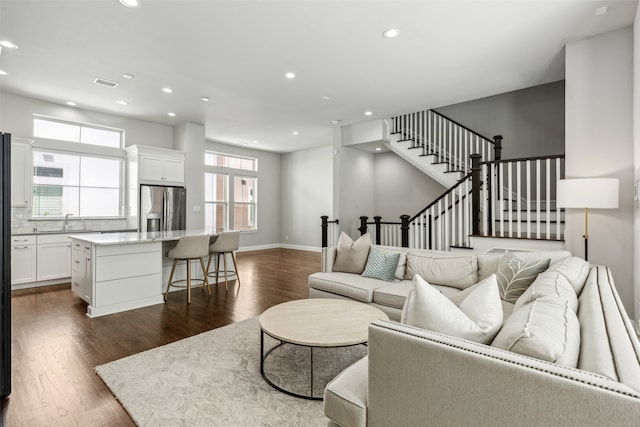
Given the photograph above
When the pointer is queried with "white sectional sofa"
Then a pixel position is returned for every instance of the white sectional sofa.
(414, 377)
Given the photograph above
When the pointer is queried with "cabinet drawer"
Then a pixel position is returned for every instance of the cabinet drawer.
(23, 240)
(53, 238)
(79, 262)
(126, 290)
(127, 265)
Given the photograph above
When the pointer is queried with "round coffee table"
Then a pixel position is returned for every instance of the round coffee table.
(316, 322)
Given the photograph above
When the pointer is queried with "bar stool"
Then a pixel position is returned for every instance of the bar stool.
(189, 248)
(226, 243)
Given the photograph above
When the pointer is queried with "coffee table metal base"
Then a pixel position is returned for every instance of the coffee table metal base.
(263, 357)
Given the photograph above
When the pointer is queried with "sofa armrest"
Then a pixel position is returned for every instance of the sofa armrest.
(417, 375)
(328, 258)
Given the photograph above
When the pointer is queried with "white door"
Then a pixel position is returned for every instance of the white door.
(54, 261)
(174, 171)
(151, 169)
(20, 174)
(23, 264)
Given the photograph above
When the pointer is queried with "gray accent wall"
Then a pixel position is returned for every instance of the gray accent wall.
(307, 194)
(599, 143)
(636, 159)
(530, 120)
(400, 188)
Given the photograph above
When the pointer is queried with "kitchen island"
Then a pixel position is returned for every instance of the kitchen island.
(122, 271)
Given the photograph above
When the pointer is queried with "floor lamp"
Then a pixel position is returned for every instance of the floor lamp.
(588, 193)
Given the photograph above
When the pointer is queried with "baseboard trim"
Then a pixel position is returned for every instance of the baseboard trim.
(302, 248)
(279, 246)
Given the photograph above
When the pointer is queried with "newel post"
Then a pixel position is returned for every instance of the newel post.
(363, 225)
(404, 229)
(475, 194)
(497, 147)
(325, 228)
(377, 220)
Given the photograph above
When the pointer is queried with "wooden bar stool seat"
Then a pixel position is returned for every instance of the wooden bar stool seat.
(189, 248)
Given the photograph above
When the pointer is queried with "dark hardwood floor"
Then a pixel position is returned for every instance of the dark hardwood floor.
(55, 347)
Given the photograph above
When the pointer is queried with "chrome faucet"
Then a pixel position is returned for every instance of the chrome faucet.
(66, 225)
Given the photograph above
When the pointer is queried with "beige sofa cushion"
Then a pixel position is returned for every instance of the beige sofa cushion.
(478, 317)
(574, 269)
(395, 294)
(349, 285)
(352, 256)
(445, 268)
(551, 284)
(345, 397)
(545, 329)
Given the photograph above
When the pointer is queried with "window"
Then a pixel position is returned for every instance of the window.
(44, 127)
(230, 192)
(229, 161)
(215, 201)
(244, 203)
(80, 185)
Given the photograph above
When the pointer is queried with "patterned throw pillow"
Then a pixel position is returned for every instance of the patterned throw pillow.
(514, 275)
(381, 265)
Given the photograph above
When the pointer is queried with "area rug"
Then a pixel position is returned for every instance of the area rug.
(213, 379)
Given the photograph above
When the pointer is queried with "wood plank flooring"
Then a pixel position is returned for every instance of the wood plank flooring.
(55, 347)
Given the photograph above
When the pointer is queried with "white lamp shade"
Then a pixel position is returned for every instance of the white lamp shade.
(592, 193)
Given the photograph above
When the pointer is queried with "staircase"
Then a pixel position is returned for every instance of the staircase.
(486, 196)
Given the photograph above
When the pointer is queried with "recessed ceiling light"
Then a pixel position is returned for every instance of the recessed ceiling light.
(171, 114)
(71, 103)
(378, 149)
(205, 98)
(122, 102)
(326, 98)
(290, 75)
(256, 142)
(335, 122)
(130, 3)
(368, 113)
(3, 73)
(8, 44)
(295, 132)
(602, 10)
(167, 90)
(128, 76)
(390, 33)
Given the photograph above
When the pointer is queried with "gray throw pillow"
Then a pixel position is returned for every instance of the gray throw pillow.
(352, 256)
(514, 275)
(381, 265)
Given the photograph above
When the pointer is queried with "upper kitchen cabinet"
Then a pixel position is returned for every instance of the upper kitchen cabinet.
(20, 172)
(150, 165)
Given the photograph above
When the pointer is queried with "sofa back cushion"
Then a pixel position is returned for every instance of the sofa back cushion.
(545, 329)
(550, 284)
(574, 269)
(443, 268)
(609, 344)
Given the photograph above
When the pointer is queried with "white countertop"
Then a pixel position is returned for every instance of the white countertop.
(136, 237)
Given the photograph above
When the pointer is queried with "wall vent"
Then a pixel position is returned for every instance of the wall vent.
(104, 82)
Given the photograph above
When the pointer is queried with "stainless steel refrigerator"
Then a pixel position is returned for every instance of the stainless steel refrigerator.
(162, 208)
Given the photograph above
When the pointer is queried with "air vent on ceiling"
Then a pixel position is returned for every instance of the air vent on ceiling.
(105, 82)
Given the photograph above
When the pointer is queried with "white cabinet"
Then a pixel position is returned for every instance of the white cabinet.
(20, 172)
(23, 259)
(81, 270)
(54, 257)
(157, 165)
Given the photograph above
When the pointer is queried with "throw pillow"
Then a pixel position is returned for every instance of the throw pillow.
(381, 265)
(478, 318)
(546, 329)
(514, 275)
(574, 269)
(352, 256)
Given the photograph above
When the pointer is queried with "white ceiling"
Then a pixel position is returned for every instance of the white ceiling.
(237, 52)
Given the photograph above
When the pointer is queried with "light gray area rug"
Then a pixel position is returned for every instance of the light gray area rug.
(213, 379)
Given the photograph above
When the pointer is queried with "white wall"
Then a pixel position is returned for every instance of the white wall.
(16, 117)
(268, 233)
(189, 137)
(636, 157)
(356, 174)
(598, 143)
(307, 194)
(400, 188)
(530, 120)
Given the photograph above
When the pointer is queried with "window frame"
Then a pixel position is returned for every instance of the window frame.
(224, 203)
(80, 125)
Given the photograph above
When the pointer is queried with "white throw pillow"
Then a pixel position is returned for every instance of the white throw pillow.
(477, 318)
